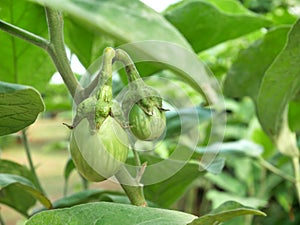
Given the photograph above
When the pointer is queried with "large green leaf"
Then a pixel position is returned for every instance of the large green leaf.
(86, 44)
(105, 213)
(207, 24)
(19, 193)
(123, 20)
(279, 86)
(168, 191)
(21, 62)
(246, 73)
(224, 212)
(20, 106)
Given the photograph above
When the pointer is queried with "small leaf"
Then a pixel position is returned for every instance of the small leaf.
(205, 24)
(224, 212)
(68, 169)
(20, 106)
(19, 193)
(110, 213)
(281, 83)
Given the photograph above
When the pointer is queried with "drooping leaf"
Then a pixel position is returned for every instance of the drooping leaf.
(19, 193)
(21, 62)
(246, 73)
(20, 106)
(224, 212)
(110, 213)
(207, 24)
(281, 83)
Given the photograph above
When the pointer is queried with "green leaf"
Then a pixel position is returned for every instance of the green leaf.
(20, 106)
(241, 147)
(244, 79)
(224, 212)
(205, 24)
(21, 62)
(186, 117)
(68, 168)
(19, 193)
(124, 21)
(87, 44)
(106, 213)
(7, 166)
(281, 83)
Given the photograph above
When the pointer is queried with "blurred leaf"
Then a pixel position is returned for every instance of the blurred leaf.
(20, 106)
(281, 83)
(87, 44)
(185, 116)
(56, 98)
(7, 166)
(124, 21)
(243, 78)
(19, 193)
(68, 168)
(20, 61)
(227, 183)
(293, 116)
(110, 213)
(243, 147)
(219, 198)
(205, 24)
(224, 212)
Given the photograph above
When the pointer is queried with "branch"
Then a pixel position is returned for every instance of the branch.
(58, 53)
(24, 35)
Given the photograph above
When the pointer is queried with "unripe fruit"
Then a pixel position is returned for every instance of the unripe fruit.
(147, 127)
(99, 154)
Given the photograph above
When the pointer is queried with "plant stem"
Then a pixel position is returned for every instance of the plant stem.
(29, 158)
(24, 34)
(132, 187)
(57, 51)
(275, 170)
(297, 175)
(1, 220)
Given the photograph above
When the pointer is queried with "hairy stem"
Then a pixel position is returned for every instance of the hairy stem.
(29, 158)
(132, 187)
(57, 51)
(297, 175)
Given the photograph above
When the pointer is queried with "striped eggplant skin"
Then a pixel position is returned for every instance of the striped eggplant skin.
(147, 127)
(99, 154)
